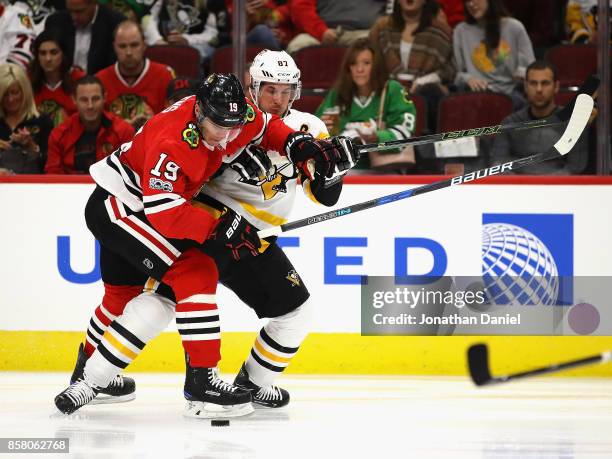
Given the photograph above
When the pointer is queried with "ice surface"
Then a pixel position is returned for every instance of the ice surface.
(328, 417)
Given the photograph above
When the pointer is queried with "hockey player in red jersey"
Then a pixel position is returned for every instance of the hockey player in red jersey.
(141, 213)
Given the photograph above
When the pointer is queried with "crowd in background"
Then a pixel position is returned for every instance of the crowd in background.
(75, 82)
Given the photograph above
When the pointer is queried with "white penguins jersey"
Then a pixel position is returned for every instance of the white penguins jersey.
(267, 201)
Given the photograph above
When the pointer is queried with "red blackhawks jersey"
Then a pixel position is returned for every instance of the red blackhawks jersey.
(167, 162)
(55, 101)
(146, 95)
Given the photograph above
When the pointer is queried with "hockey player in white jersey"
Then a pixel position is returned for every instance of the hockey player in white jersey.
(269, 283)
(260, 186)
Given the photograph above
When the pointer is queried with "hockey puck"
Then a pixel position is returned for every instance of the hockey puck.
(219, 422)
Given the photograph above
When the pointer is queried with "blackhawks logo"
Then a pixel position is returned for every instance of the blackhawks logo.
(190, 136)
(25, 21)
(250, 114)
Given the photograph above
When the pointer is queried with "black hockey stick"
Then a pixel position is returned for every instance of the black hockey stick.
(589, 87)
(583, 107)
(478, 364)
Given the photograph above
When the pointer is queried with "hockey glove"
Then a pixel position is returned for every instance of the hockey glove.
(252, 164)
(330, 156)
(236, 234)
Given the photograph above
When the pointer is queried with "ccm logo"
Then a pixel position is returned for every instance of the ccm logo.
(499, 169)
(230, 231)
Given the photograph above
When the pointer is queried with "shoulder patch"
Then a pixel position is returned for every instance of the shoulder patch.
(25, 20)
(250, 114)
(191, 136)
(406, 96)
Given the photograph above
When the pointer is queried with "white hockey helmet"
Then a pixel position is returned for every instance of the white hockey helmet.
(274, 67)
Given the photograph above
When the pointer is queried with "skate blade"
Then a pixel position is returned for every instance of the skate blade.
(212, 410)
(102, 399)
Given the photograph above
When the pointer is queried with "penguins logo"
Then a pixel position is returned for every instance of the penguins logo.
(294, 278)
(274, 183)
(190, 136)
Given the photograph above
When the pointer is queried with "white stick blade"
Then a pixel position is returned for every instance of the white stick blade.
(274, 231)
(577, 123)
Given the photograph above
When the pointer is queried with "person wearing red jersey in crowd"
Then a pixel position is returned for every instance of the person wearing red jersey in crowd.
(135, 86)
(53, 77)
(142, 214)
(88, 135)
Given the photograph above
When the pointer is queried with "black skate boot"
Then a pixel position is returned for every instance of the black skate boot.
(268, 396)
(78, 394)
(208, 396)
(120, 389)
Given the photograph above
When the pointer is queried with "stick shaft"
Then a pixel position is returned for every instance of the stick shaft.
(458, 180)
(476, 132)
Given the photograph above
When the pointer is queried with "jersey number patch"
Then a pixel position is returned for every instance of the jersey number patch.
(171, 168)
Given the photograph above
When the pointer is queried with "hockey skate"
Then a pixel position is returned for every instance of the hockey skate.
(120, 389)
(267, 397)
(78, 394)
(208, 396)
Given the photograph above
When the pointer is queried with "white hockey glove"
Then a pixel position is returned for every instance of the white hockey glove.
(253, 163)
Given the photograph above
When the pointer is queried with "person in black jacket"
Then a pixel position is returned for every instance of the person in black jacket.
(88, 32)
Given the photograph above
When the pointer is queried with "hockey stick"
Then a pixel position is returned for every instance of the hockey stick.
(478, 363)
(589, 87)
(577, 123)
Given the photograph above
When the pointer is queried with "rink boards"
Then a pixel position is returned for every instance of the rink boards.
(51, 279)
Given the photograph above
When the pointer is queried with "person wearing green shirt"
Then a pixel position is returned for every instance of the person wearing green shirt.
(365, 104)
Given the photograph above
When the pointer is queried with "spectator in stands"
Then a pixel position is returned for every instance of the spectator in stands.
(453, 10)
(23, 131)
(491, 50)
(364, 103)
(190, 22)
(87, 136)
(417, 48)
(581, 21)
(180, 88)
(332, 22)
(135, 86)
(541, 86)
(268, 24)
(16, 34)
(53, 77)
(87, 29)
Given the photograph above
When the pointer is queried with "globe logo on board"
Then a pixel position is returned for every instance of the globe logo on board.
(517, 266)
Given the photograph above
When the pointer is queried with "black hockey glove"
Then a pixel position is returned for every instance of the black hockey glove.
(236, 234)
(329, 155)
(253, 163)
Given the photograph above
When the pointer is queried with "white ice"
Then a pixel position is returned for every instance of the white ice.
(328, 417)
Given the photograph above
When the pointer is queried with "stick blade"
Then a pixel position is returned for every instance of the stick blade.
(478, 364)
(583, 108)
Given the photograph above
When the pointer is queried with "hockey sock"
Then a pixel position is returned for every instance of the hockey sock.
(113, 303)
(197, 321)
(276, 345)
(144, 318)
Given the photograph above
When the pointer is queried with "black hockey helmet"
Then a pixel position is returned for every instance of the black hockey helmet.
(221, 99)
